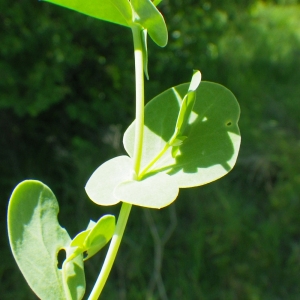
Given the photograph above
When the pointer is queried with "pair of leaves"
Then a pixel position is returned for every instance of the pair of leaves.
(123, 12)
(206, 118)
(36, 238)
(94, 238)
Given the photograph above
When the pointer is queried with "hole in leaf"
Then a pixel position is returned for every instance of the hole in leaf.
(85, 254)
(228, 123)
(61, 256)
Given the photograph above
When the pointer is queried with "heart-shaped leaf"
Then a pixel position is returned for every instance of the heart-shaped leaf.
(94, 238)
(213, 138)
(36, 237)
(115, 11)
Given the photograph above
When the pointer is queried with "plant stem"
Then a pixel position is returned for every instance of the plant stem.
(139, 93)
(138, 144)
(112, 251)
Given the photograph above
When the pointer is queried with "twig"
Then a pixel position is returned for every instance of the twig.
(159, 243)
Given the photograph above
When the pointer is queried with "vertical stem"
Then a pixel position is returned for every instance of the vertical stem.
(139, 92)
(112, 252)
(139, 132)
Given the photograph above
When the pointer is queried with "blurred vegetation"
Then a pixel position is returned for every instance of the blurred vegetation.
(66, 97)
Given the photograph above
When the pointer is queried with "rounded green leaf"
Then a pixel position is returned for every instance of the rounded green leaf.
(213, 138)
(115, 11)
(154, 192)
(36, 237)
(100, 187)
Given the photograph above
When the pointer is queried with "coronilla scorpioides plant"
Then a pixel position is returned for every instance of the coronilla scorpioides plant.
(186, 136)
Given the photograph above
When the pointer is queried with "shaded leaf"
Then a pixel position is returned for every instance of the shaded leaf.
(36, 237)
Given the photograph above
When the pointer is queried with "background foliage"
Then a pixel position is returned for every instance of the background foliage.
(66, 97)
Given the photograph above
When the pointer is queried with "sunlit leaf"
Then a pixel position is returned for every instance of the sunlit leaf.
(155, 191)
(123, 12)
(213, 138)
(151, 19)
(36, 237)
(94, 238)
(207, 150)
(100, 187)
(115, 11)
(100, 235)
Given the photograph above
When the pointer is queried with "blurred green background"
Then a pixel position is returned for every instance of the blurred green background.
(67, 96)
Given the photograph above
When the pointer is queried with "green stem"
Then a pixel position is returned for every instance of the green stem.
(112, 251)
(139, 92)
(139, 132)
